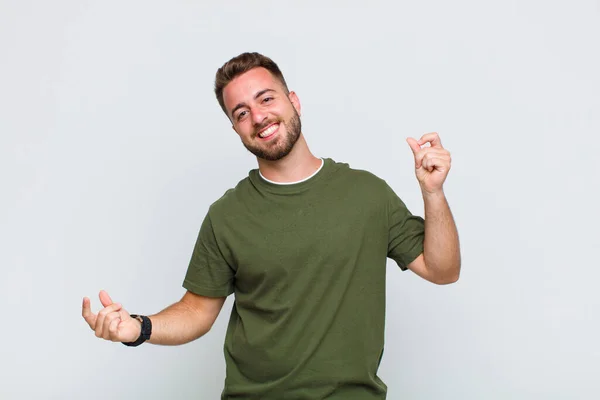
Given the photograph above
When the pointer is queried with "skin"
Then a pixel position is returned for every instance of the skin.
(260, 108)
(255, 101)
(440, 262)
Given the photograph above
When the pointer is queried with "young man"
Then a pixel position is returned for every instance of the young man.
(302, 242)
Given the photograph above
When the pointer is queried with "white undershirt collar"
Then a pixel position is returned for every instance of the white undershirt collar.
(293, 183)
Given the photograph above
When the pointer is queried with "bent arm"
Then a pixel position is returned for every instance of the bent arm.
(185, 321)
(440, 261)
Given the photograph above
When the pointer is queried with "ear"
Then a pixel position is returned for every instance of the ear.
(295, 102)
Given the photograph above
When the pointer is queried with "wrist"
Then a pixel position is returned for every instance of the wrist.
(437, 194)
(145, 330)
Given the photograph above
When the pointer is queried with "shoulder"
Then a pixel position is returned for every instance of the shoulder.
(231, 199)
(357, 177)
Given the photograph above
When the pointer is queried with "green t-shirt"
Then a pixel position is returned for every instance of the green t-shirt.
(307, 264)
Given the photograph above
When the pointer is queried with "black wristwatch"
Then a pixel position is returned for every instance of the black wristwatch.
(145, 333)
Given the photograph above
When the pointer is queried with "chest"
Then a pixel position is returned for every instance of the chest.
(278, 243)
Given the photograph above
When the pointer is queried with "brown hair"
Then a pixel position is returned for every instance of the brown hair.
(240, 64)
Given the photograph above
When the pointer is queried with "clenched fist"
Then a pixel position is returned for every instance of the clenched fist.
(113, 322)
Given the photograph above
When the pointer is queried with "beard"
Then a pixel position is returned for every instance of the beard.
(281, 146)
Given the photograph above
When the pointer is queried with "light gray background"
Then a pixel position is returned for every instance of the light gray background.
(113, 146)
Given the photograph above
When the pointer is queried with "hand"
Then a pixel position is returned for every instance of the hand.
(112, 322)
(432, 163)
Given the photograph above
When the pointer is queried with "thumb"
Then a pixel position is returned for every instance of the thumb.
(123, 314)
(105, 299)
(414, 145)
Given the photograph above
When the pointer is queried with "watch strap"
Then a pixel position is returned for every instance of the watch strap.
(145, 331)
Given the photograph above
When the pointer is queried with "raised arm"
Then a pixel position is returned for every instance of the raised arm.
(180, 323)
(440, 261)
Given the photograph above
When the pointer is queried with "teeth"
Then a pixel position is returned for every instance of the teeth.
(268, 131)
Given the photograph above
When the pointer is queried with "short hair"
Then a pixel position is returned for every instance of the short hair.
(239, 65)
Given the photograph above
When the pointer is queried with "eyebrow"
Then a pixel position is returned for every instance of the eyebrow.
(256, 96)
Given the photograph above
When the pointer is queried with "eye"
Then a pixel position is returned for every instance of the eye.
(241, 115)
(267, 99)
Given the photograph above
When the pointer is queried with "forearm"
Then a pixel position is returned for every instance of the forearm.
(178, 324)
(441, 245)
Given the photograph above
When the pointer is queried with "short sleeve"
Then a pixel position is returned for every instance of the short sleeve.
(406, 232)
(208, 273)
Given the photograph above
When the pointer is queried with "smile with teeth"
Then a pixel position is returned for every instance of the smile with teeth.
(268, 131)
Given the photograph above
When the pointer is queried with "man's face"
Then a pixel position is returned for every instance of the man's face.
(266, 119)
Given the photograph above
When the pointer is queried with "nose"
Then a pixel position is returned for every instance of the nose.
(258, 116)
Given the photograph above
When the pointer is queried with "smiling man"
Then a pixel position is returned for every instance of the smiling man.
(302, 243)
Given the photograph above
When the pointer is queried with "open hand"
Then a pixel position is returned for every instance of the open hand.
(112, 322)
(432, 163)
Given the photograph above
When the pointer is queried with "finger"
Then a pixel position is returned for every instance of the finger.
(102, 316)
(114, 330)
(124, 314)
(432, 163)
(110, 322)
(433, 138)
(105, 298)
(428, 152)
(416, 149)
(414, 145)
(87, 314)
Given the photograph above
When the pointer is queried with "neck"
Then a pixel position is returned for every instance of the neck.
(299, 164)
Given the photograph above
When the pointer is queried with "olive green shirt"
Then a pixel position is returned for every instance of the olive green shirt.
(307, 265)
